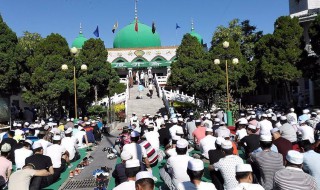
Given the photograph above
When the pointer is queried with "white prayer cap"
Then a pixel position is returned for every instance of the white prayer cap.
(178, 114)
(87, 122)
(305, 111)
(182, 143)
(208, 116)
(6, 147)
(134, 113)
(148, 114)
(19, 125)
(180, 119)
(195, 165)
(125, 155)
(266, 138)
(216, 120)
(198, 121)
(134, 134)
(276, 129)
(174, 120)
(226, 144)
(36, 145)
(201, 113)
(269, 115)
(80, 117)
(26, 123)
(50, 119)
(144, 175)
(283, 118)
(243, 168)
(292, 109)
(205, 111)
(249, 117)
(252, 127)
(68, 119)
(278, 124)
(269, 110)
(294, 157)
(220, 140)
(176, 138)
(132, 163)
(179, 131)
(93, 121)
(72, 119)
(242, 114)
(165, 117)
(68, 131)
(29, 142)
(14, 124)
(56, 138)
(42, 122)
(209, 129)
(191, 113)
(264, 115)
(243, 121)
(318, 111)
(278, 115)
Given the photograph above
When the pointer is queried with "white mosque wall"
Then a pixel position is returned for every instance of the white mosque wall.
(147, 54)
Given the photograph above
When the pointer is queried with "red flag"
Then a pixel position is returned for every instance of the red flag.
(136, 26)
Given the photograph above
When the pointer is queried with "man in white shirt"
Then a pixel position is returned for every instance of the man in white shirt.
(292, 117)
(132, 168)
(136, 150)
(150, 87)
(265, 125)
(152, 137)
(227, 165)
(21, 154)
(44, 143)
(207, 143)
(174, 171)
(195, 171)
(222, 131)
(174, 127)
(59, 157)
(70, 144)
(245, 178)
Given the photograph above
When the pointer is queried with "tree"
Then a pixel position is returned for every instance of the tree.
(314, 34)
(194, 73)
(8, 68)
(102, 78)
(278, 54)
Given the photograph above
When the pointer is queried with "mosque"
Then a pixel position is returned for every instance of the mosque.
(139, 50)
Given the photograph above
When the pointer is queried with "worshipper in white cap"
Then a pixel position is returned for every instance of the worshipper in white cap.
(222, 131)
(287, 131)
(292, 176)
(245, 178)
(40, 162)
(136, 150)
(144, 181)
(227, 165)
(171, 150)
(250, 142)
(241, 130)
(195, 171)
(283, 145)
(21, 154)
(198, 134)
(132, 168)
(310, 160)
(172, 173)
(267, 162)
(214, 157)
(59, 156)
(70, 143)
(306, 132)
(265, 125)
(6, 164)
(174, 127)
(207, 143)
(305, 115)
(208, 121)
(190, 126)
(292, 116)
(152, 137)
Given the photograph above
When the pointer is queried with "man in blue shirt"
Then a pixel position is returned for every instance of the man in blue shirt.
(310, 160)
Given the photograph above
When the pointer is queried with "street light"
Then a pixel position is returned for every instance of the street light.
(84, 67)
(235, 61)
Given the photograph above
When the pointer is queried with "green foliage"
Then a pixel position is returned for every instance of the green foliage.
(8, 68)
(97, 110)
(314, 34)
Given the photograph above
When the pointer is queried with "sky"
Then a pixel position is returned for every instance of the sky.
(64, 16)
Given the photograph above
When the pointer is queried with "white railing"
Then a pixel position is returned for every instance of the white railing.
(180, 97)
(124, 80)
(127, 98)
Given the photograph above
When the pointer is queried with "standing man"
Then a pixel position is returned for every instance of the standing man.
(293, 177)
(150, 87)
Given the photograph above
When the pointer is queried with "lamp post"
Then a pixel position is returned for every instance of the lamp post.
(235, 61)
(83, 67)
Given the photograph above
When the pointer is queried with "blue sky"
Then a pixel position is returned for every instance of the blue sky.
(64, 16)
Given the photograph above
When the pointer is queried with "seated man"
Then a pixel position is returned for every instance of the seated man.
(132, 168)
(245, 178)
(20, 179)
(21, 154)
(70, 143)
(172, 173)
(6, 164)
(40, 162)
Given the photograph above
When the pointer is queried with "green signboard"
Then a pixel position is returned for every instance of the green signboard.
(145, 64)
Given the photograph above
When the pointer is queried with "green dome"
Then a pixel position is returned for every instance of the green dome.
(79, 41)
(198, 36)
(127, 37)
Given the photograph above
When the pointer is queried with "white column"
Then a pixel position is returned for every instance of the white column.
(311, 92)
(149, 70)
(130, 72)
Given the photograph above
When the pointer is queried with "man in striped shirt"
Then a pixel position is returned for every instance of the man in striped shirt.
(266, 163)
(293, 177)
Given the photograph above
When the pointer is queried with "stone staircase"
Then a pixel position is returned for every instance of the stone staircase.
(144, 105)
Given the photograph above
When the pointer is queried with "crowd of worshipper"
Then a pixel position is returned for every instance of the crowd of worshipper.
(265, 149)
(33, 155)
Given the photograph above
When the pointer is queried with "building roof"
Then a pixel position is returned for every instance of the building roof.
(127, 37)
